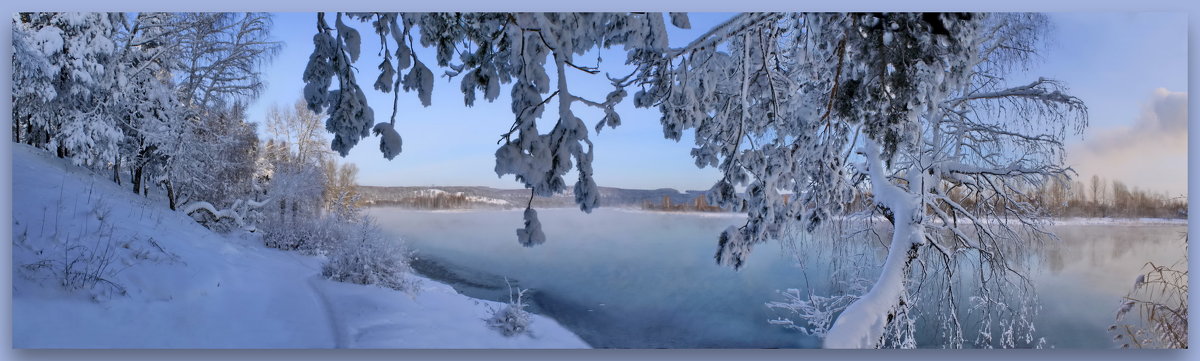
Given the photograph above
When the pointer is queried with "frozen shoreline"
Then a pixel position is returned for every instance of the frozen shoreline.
(1062, 221)
(185, 286)
(1119, 221)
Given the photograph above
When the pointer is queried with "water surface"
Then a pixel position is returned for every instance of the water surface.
(635, 279)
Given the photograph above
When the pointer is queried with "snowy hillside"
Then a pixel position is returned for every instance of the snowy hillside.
(96, 266)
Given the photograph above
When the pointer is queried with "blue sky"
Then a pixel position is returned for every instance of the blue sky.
(1115, 62)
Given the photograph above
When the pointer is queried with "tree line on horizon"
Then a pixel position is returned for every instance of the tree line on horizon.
(1098, 197)
(1062, 198)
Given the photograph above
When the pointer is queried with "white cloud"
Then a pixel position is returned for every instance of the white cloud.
(1150, 153)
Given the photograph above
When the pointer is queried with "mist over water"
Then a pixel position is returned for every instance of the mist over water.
(1081, 282)
(635, 279)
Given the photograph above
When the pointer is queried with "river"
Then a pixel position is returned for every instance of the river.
(638, 279)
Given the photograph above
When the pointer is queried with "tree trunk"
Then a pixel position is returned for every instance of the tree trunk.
(136, 179)
(863, 323)
(117, 169)
(170, 195)
(29, 133)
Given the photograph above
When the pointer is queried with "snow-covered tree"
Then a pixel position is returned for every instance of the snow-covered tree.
(294, 191)
(301, 180)
(73, 54)
(212, 62)
(232, 150)
(148, 102)
(898, 109)
(222, 55)
(501, 48)
(301, 129)
(907, 113)
(340, 196)
(33, 76)
(155, 93)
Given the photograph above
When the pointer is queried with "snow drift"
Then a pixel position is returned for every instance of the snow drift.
(150, 277)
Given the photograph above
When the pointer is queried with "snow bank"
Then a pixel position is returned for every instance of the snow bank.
(1118, 221)
(187, 287)
(682, 213)
(438, 317)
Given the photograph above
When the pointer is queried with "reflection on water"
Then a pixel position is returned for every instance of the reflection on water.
(1094, 266)
(648, 280)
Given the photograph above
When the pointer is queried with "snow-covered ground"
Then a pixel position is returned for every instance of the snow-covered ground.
(188, 287)
(1120, 221)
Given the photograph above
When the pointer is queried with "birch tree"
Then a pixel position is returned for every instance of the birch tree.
(149, 53)
(220, 58)
(300, 128)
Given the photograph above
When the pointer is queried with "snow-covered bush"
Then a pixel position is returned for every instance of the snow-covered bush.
(367, 256)
(815, 313)
(311, 236)
(511, 319)
(293, 218)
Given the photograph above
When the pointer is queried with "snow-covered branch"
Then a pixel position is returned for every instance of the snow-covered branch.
(1042, 90)
(722, 32)
(235, 212)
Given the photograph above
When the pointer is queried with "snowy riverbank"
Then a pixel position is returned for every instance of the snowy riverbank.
(168, 282)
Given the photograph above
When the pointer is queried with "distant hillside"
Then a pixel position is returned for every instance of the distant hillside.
(457, 197)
